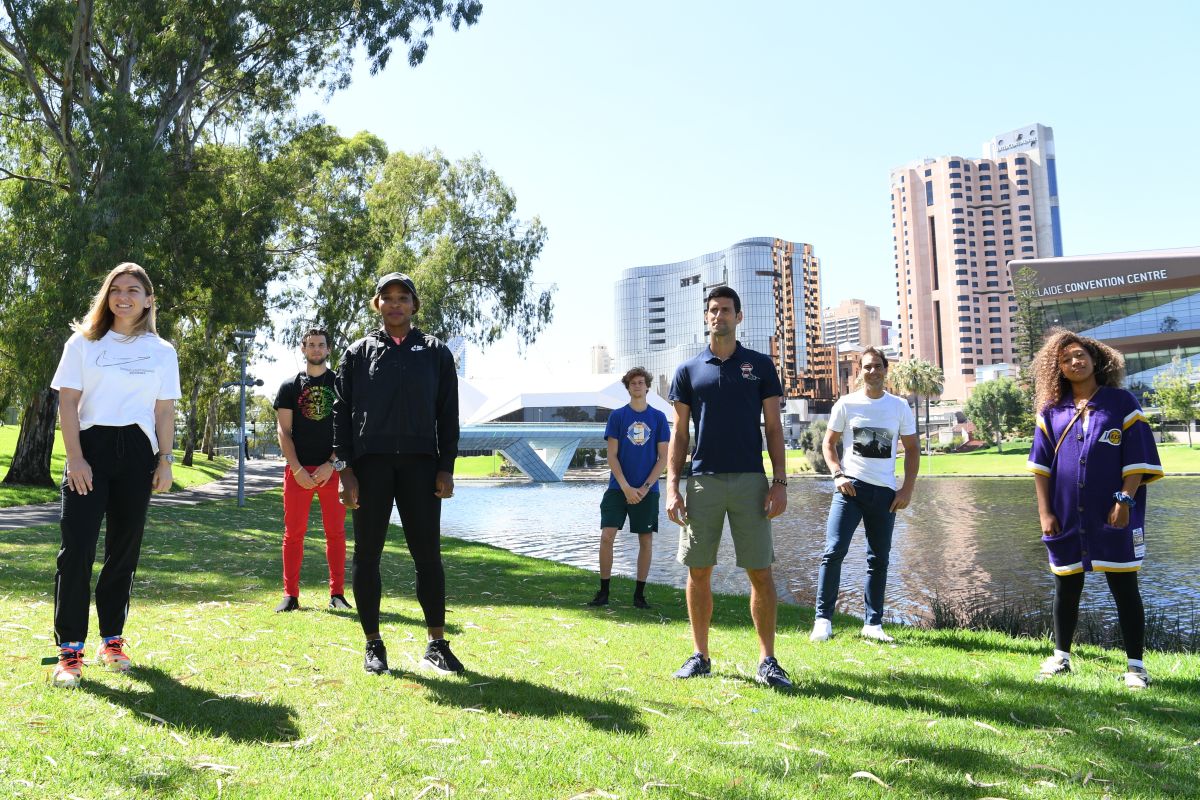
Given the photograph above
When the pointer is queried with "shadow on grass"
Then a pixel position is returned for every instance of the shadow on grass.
(512, 696)
(197, 710)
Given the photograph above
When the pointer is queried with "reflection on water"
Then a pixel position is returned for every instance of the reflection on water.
(974, 539)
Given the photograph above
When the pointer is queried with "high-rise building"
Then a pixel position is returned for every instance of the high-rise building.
(660, 314)
(956, 223)
(885, 333)
(602, 362)
(853, 322)
(458, 349)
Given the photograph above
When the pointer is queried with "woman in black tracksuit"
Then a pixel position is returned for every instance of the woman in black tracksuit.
(395, 435)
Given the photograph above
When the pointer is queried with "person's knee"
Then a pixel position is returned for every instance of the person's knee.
(608, 536)
(760, 578)
(645, 541)
(700, 576)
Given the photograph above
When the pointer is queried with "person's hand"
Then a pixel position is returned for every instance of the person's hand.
(844, 485)
(1119, 516)
(776, 502)
(79, 475)
(1049, 523)
(162, 476)
(349, 491)
(902, 499)
(303, 479)
(676, 507)
(445, 485)
(321, 474)
(633, 496)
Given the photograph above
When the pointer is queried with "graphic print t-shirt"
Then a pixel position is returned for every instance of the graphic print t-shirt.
(638, 434)
(311, 402)
(870, 432)
(121, 378)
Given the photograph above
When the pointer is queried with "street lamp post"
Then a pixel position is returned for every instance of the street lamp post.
(244, 338)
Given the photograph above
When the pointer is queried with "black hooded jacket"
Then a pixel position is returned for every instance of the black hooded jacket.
(396, 398)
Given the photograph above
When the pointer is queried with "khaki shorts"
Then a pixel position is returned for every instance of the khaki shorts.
(741, 496)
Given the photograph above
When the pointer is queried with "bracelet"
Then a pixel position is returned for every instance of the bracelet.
(779, 481)
(1124, 499)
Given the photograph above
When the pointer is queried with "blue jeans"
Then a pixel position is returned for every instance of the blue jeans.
(870, 505)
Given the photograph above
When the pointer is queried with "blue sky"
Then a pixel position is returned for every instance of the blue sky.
(647, 132)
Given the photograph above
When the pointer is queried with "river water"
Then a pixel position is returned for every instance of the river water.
(970, 539)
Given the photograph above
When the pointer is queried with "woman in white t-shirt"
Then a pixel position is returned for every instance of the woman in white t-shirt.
(117, 384)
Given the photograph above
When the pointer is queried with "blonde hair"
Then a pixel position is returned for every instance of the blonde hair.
(1049, 383)
(99, 319)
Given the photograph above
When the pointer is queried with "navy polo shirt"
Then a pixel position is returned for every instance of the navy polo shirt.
(726, 399)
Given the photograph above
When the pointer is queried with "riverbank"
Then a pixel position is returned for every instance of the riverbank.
(231, 700)
(202, 471)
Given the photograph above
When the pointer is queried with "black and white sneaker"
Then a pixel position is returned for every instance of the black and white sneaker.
(375, 661)
(773, 675)
(601, 599)
(439, 658)
(338, 601)
(1053, 667)
(697, 666)
(288, 603)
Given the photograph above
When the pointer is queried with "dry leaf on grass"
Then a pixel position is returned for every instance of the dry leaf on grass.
(653, 711)
(154, 717)
(214, 767)
(978, 785)
(986, 727)
(594, 793)
(870, 777)
(296, 745)
(1117, 731)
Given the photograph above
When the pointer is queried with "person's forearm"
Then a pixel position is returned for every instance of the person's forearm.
(614, 465)
(288, 448)
(777, 452)
(829, 450)
(1041, 485)
(912, 465)
(657, 471)
(164, 427)
(675, 458)
(68, 415)
(1131, 484)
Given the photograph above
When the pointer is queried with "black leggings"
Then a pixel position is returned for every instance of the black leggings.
(122, 465)
(408, 481)
(1130, 613)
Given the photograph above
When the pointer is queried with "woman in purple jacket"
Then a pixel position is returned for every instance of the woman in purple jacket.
(1093, 452)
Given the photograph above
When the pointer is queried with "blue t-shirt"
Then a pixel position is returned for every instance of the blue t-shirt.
(726, 400)
(638, 434)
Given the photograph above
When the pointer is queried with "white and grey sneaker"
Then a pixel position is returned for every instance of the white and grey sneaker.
(877, 633)
(1054, 665)
(822, 630)
(1137, 678)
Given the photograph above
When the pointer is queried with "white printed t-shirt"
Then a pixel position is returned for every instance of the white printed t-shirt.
(121, 379)
(869, 446)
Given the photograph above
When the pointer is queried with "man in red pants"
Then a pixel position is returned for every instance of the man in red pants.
(304, 414)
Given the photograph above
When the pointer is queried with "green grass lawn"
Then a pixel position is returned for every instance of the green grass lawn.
(987, 461)
(229, 700)
(201, 471)
(478, 466)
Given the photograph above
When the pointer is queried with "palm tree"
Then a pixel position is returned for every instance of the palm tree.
(919, 378)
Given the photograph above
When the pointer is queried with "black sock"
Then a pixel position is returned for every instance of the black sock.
(640, 591)
(604, 585)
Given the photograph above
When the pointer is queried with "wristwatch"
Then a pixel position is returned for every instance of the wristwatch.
(838, 474)
(1124, 499)
(167, 457)
(338, 464)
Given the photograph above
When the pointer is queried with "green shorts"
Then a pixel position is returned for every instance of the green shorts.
(741, 496)
(643, 516)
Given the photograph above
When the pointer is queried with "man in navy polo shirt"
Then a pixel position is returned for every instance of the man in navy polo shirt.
(723, 392)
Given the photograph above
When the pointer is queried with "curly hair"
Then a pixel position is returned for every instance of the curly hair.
(1050, 384)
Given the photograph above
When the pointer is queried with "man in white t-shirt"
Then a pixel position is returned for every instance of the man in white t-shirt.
(865, 484)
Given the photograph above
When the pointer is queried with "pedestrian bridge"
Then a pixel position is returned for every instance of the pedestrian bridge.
(541, 450)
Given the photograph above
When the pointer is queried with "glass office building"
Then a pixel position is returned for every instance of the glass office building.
(660, 313)
(1146, 304)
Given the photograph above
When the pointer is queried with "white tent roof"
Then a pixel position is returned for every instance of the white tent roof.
(481, 401)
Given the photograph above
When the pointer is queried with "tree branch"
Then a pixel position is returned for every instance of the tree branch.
(10, 175)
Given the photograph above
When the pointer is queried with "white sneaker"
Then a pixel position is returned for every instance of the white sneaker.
(876, 632)
(822, 630)
(1137, 678)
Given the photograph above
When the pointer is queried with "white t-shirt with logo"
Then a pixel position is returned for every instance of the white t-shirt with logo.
(869, 431)
(120, 377)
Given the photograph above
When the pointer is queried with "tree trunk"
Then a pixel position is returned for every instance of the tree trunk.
(210, 428)
(190, 423)
(928, 443)
(31, 461)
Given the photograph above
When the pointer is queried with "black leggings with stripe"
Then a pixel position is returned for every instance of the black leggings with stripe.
(1130, 613)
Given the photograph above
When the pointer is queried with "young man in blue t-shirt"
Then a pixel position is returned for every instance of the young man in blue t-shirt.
(637, 437)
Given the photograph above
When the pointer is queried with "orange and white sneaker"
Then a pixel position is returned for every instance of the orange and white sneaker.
(112, 655)
(68, 672)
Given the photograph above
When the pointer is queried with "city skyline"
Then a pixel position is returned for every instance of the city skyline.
(636, 143)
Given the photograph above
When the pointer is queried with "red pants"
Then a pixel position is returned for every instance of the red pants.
(296, 504)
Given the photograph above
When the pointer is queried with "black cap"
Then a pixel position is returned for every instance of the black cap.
(396, 277)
